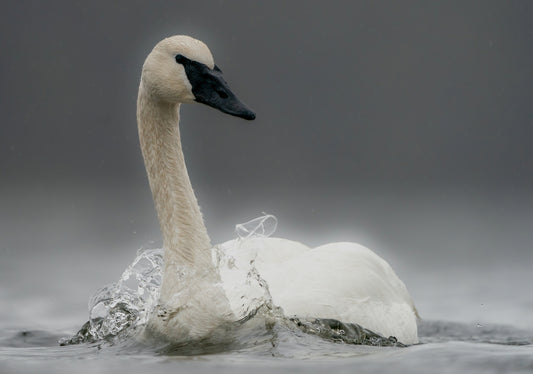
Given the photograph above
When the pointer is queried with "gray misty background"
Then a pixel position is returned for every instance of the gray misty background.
(405, 126)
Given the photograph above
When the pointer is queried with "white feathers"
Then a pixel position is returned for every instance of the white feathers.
(343, 281)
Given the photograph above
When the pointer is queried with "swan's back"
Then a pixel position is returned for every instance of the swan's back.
(343, 281)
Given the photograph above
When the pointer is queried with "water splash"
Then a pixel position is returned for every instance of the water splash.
(246, 290)
(120, 309)
(130, 301)
(261, 227)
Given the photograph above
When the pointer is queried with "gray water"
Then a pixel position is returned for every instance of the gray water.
(445, 347)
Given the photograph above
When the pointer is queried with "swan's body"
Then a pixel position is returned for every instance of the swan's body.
(343, 281)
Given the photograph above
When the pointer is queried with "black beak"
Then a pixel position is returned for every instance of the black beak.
(210, 88)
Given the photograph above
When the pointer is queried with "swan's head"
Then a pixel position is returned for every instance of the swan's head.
(181, 69)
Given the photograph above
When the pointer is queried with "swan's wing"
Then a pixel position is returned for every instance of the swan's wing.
(241, 263)
(344, 281)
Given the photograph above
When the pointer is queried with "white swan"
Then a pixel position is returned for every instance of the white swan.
(344, 281)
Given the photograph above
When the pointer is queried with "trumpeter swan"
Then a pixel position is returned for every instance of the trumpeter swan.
(344, 281)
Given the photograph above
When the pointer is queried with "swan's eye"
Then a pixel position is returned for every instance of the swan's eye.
(180, 59)
(222, 94)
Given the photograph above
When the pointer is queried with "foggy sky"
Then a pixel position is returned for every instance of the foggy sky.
(392, 120)
(418, 94)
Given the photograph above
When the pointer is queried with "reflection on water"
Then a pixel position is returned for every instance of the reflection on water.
(265, 346)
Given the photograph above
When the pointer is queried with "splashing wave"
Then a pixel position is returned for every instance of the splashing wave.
(119, 311)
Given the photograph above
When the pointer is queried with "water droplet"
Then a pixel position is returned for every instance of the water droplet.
(119, 309)
(263, 226)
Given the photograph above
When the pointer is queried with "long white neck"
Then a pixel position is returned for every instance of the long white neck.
(186, 243)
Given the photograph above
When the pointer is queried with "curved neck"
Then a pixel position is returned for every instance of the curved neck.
(184, 234)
